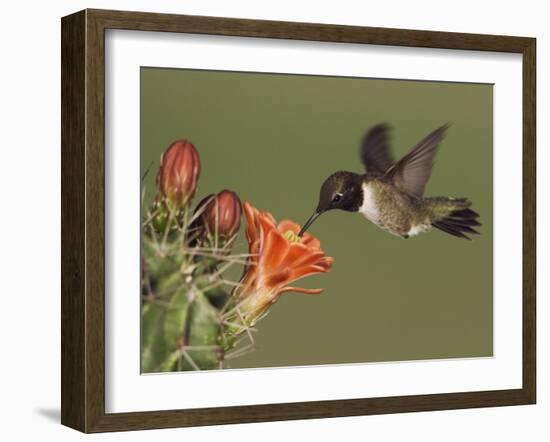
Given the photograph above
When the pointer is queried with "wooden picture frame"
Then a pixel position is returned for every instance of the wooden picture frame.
(83, 220)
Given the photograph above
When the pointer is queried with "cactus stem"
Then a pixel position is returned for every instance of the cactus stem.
(186, 291)
(150, 217)
(149, 224)
(237, 345)
(247, 328)
(150, 296)
(161, 303)
(190, 360)
(235, 308)
(191, 294)
(234, 324)
(206, 251)
(231, 324)
(193, 252)
(171, 214)
(202, 347)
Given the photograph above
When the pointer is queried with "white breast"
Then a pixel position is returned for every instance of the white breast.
(419, 228)
(369, 208)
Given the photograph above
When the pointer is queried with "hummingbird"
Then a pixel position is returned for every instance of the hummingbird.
(391, 193)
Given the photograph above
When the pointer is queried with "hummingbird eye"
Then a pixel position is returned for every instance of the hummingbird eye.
(337, 197)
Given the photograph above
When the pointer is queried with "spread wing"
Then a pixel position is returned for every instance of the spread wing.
(411, 173)
(375, 150)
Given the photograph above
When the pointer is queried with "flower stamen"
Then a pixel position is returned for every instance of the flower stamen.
(291, 236)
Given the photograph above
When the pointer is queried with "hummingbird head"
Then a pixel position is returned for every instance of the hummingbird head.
(341, 190)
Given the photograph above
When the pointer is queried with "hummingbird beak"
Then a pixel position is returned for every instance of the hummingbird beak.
(309, 222)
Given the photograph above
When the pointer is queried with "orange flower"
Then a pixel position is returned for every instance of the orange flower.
(278, 258)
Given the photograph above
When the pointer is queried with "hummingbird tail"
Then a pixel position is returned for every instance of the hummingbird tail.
(454, 216)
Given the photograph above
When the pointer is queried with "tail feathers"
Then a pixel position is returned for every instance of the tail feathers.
(459, 222)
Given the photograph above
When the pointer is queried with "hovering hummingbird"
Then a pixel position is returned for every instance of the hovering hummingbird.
(391, 194)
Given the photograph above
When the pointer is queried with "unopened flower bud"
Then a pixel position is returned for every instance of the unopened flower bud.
(221, 214)
(179, 173)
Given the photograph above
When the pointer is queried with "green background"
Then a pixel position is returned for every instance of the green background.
(274, 138)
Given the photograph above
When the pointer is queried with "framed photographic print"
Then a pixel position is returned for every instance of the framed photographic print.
(269, 220)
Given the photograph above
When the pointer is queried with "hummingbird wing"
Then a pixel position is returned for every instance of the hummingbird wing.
(411, 173)
(375, 150)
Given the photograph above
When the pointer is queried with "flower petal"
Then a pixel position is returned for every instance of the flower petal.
(310, 241)
(278, 278)
(266, 222)
(275, 250)
(299, 254)
(326, 262)
(304, 271)
(302, 290)
(250, 213)
(254, 249)
(270, 217)
(296, 253)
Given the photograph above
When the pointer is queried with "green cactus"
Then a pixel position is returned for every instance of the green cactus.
(193, 316)
(184, 297)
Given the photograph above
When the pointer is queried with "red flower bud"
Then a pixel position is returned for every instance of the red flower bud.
(222, 214)
(179, 172)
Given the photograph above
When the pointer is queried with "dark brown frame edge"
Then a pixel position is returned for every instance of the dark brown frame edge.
(83, 216)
